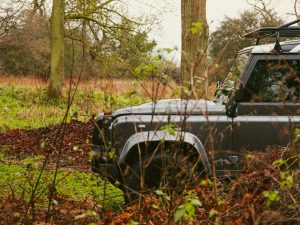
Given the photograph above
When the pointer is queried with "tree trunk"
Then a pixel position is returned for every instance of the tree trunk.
(194, 48)
(57, 50)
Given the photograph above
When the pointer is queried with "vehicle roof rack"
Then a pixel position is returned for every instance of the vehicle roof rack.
(286, 30)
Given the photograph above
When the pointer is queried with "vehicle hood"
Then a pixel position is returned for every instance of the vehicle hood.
(174, 107)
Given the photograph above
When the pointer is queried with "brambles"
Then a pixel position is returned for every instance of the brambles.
(187, 211)
(240, 201)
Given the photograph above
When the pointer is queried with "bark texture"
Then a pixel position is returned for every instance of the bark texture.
(194, 48)
(57, 50)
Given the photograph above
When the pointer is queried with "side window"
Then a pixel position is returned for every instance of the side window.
(274, 81)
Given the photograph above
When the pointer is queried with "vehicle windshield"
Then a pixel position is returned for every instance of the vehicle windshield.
(229, 83)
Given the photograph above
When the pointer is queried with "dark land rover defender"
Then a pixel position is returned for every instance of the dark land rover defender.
(161, 142)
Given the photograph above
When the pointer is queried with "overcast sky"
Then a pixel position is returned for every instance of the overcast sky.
(168, 33)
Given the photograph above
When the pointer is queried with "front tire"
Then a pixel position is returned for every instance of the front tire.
(139, 181)
(160, 172)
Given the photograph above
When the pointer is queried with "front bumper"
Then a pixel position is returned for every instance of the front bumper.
(104, 167)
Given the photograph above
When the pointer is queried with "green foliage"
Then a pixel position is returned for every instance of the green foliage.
(31, 108)
(187, 211)
(196, 27)
(285, 175)
(286, 181)
(297, 135)
(213, 213)
(84, 215)
(207, 183)
(17, 180)
(187, 92)
(161, 196)
(26, 108)
(156, 66)
(271, 197)
(127, 49)
(80, 186)
(279, 163)
(170, 128)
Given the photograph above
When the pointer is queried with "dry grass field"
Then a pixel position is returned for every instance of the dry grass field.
(147, 88)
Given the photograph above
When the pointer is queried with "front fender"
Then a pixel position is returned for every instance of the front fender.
(153, 136)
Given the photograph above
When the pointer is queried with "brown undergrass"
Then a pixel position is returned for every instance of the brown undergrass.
(117, 86)
(147, 88)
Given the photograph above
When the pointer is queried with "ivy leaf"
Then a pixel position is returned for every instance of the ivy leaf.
(168, 50)
(196, 27)
(156, 58)
(213, 213)
(271, 196)
(159, 193)
(78, 217)
(179, 214)
(196, 202)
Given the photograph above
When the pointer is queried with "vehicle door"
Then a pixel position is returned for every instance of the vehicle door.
(269, 109)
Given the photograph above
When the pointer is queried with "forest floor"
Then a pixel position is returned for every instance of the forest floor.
(268, 191)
